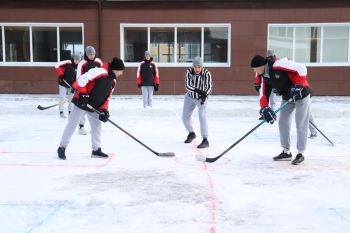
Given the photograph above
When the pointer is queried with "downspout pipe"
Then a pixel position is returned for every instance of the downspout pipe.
(99, 15)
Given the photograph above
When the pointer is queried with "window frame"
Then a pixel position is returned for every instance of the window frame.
(321, 25)
(175, 26)
(31, 25)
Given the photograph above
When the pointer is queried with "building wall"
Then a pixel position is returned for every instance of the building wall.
(249, 37)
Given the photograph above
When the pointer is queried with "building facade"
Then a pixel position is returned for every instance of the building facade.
(35, 35)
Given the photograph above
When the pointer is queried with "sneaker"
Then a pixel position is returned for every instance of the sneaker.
(61, 151)
(98, 154)
(313, 135)
(82, 130)
(298, 159)
(62, 115)
(190, 137)
(204, 144)
(283, 156)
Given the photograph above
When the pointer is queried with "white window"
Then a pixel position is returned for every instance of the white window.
(39, 44)
(175, 45)
(320, 44)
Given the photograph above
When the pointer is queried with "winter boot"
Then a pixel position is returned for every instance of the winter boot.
(61, 151)
(98, 154)
(283, 156)
(204, 143)
(62, 115)
(298, 159)
(313, 135)
(82, 130)
(190, 137)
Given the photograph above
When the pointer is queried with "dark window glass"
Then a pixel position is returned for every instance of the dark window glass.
(188, 44)
(44, 44)
(162, 44)
(71, 41)
(135, 44)
(17, 44)
(215, 44)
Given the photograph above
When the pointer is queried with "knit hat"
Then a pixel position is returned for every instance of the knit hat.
(258, 61)
(116, 64)
(89, 50)
(77, 56)
(270, 53)
(197, 61)
(147, 53)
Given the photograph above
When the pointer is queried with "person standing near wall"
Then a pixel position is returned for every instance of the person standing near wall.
(290, 80)
(198, 83)
(95, 88)
(89, 61)
(148, 79)
(66, 71)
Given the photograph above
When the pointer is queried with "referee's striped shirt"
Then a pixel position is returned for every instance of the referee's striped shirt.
(201, 81)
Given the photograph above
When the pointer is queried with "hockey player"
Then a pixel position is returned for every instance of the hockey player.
(66, 71)
(95, 88)
(89, 61)
(147, 79)
(198, 83)
(290, 80)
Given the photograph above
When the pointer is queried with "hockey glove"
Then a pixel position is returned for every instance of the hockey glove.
(139, 85)
(296, 92)
(104, 115)
(156, 86)
(257, 86)
(268, 115)
(83, 99)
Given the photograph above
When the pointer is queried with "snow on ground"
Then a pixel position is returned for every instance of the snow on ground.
(135, 191)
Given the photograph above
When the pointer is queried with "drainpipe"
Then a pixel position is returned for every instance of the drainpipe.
(99, 14)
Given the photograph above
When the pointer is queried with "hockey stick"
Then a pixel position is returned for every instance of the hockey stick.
(166, 154)
(321, 133)
(211, 160)
(51, 106)
(54, 105)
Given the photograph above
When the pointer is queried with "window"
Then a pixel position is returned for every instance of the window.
(1, 45)
(71, 41)
(135, 44)
(188, 44)
(176, 44)
(162, 44)
(17, 46)
(37, 44)
(44, 44)
(315, 45)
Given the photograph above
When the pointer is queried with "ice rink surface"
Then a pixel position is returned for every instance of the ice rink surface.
(134, 191)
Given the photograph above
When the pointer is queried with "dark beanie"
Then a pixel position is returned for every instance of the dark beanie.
(116, 64)
(258, 61)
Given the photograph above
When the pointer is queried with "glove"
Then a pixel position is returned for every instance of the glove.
(83, 99)
(156, 86)
(200, 92)
(139, 85)
(202, 95)
(295, 92)
(268, 115)
(72, 90)
(257, 86)
(104, 115)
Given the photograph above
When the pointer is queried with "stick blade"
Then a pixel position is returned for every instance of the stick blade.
(201, 158)
(40, 107)
(166, 154)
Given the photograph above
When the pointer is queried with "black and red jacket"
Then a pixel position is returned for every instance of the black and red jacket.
(99, 83)
(66, 71)
(147, 73)
(281, 75)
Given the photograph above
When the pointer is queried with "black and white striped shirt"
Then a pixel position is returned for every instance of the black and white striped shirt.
(201, 81)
